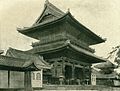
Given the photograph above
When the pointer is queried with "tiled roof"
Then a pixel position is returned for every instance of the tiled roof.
(51, 15)
(50, 11)
(17, 64)
(30, 58)
(12, 62)
(53, 47)
(105, 65)
(104, 76)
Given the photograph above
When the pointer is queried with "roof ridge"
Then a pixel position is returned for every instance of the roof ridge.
(54, 7)
(19, 51)
(13, 58)
(51, 8)
(36, 25)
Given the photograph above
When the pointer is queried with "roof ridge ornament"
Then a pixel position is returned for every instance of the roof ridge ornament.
(46, 2)
(68, 9)
(68, 41)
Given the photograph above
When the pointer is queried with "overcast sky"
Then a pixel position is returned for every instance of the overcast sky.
(100, 16)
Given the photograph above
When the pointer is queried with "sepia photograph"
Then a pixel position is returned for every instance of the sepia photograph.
(59, 45)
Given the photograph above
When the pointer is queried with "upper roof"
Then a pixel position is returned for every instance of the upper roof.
(30, 58)
(52, 15)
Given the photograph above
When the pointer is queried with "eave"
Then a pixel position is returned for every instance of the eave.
(21, 64)
(105, 65)
(41, 25)
(80, 26)
(68, 17)
(66, 46)
(27, 59)
(50, 8)
(17, 64)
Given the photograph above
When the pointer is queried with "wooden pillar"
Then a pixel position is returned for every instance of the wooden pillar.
(73, 71)
(63, 68)
(27, 81)
(83, 73)
(73, 74)
(90, 74)
(8, 78)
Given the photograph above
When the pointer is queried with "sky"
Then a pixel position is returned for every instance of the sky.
(100, 16)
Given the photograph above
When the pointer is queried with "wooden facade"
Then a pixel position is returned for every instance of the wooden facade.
(64, 43)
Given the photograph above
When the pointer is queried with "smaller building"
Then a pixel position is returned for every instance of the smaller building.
(106, 77)
(106, 67)
(15, 64)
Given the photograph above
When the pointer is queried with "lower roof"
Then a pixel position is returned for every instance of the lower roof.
(53, 47)
(106, 65)
(17, 64)
(17, 60)
(100, 75)
(27, 56)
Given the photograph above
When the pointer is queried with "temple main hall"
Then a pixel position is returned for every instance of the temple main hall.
(65, 44)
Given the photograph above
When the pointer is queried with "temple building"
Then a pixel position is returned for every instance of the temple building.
(64, 43)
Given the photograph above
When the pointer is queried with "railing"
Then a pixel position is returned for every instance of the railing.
(48, 39)
(58, 37)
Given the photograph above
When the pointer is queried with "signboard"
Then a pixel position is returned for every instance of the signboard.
(93, 79)
(37, 78)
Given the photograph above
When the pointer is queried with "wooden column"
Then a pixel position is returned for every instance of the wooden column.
(73, 74)
(63, 68)
(83, 73)
(27, 81)
(8, 78)
(90, 74)
(73, 71)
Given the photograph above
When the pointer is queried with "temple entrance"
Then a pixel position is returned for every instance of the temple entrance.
(68, 75)
(78, 73)
(68, 72)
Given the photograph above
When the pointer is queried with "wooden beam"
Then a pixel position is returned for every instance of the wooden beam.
(79, 66)
(68, 60)
(77, 61)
